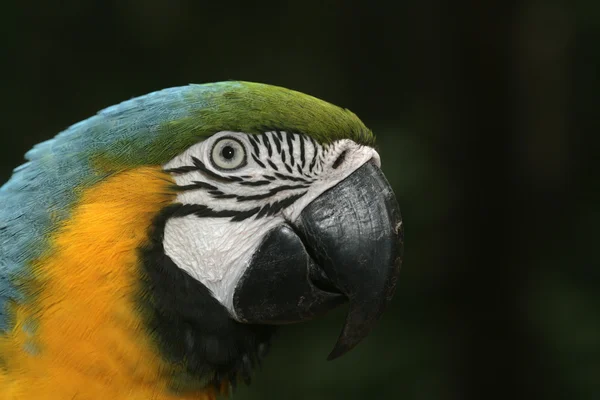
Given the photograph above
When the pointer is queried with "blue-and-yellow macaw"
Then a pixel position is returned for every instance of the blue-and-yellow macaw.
(149, 252)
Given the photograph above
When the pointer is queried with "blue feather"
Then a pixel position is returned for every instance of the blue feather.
(40, 192)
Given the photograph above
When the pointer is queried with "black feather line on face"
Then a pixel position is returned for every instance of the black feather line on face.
(290, 144)
(258, 161)
(255, 145)
(222, 195)
(291, 178)
(302, 151)
(313, 161)
(181, 170)
(277, 143)
(202, 211)
(339, 160)
(271, 192)
(268, 144)
(272, 165)
(189, 326)
(196, 185)
(274, 208)
(256, 183)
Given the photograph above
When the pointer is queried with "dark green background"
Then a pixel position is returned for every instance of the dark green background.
(486, 117)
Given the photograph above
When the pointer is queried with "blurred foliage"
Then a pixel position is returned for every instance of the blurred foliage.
(486, 120)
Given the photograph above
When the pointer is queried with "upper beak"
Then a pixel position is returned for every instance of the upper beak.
(346, 246)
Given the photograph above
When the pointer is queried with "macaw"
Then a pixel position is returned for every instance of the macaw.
(150, 251)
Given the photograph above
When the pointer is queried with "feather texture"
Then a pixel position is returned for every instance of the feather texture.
(73, 221)
(148, 130)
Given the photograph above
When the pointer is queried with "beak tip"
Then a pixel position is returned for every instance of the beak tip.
(338, 351)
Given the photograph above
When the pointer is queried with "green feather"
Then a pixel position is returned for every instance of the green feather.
(240, 107)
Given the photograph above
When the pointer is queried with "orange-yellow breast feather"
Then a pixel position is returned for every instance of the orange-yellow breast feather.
(80, 327)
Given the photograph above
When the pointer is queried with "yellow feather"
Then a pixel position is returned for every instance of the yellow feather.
(80, 336)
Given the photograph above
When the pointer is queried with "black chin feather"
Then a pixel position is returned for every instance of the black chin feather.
(189, 326)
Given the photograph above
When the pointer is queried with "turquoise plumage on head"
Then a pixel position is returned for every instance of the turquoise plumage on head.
(150, 251)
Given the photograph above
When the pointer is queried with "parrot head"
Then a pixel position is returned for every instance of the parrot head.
(165, 239)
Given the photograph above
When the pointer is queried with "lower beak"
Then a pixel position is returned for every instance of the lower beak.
(346, 246)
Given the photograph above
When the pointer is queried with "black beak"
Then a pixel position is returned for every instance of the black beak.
(345, 246)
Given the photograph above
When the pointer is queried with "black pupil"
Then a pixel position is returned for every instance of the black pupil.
(228, 152)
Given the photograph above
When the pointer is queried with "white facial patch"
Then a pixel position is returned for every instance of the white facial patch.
(215, 251)
(236, 199)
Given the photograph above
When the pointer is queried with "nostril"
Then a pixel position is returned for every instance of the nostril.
(339, 160)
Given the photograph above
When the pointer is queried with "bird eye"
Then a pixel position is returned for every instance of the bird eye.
(228, 154)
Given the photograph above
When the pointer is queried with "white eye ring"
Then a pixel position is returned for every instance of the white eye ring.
(228, 154)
